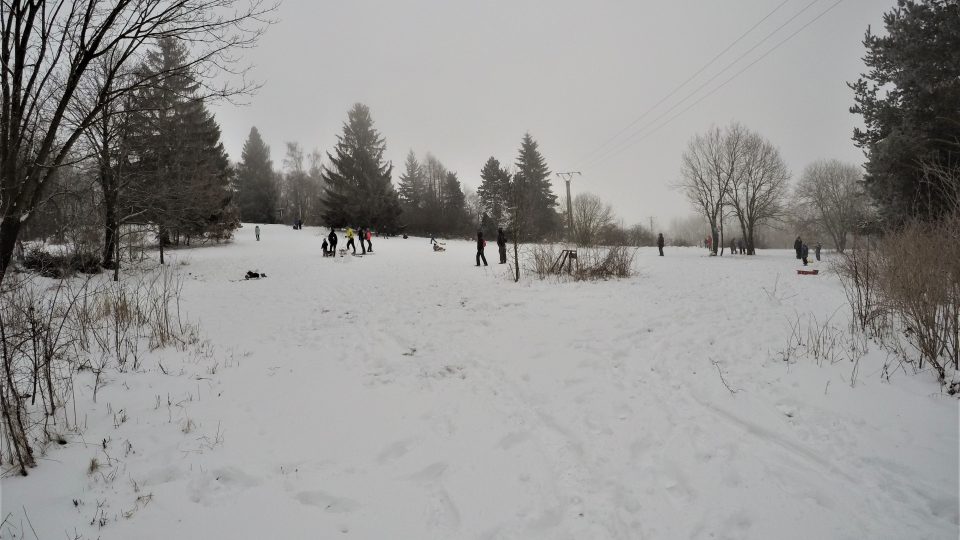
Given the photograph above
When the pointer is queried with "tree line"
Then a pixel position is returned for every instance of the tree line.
(909, 100)
(353, 186)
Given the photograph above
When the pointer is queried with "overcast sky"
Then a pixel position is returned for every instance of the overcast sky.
(465, 80)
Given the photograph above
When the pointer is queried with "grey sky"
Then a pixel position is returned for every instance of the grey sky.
(465, 80)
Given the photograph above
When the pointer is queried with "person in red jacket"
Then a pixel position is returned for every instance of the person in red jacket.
(367, 235)
(481, 243)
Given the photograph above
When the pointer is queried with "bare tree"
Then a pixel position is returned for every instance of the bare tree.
(590, 217)
(48, 50)
(707, 175)
(831, 192)
(759, 184)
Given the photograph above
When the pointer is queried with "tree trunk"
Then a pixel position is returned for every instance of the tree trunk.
(111, 225)
(9, 229)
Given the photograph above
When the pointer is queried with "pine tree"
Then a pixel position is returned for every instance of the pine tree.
(256, 189)
(910, 102)
(533, 192)
(182, 168)
(358, 190)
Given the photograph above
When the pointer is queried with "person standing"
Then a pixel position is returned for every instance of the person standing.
(256, 231)
(363, 247)
(740, 245)
(733, 246)
(481, 243)
(804, 251)
(369, 243)
(323, 247)
(350, 244)
(816, 250)
(332, 237)
(798, 247)
(502, 245)
(660, 243)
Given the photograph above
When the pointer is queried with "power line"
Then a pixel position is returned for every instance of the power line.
(684, 83)
(726, 68)
(627, 143)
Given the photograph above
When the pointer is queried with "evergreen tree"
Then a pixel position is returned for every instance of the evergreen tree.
(494, 192)
(358, 190)
(533, 193)
(454, 206)
(411, 191)
(910, 102)
(181, 166)
(257, 195)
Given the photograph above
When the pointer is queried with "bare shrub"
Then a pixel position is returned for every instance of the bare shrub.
(909, 292)
(859, 272)
(590, 263)
(52, 330)
(920, 283)
(605, 263)
(542, 258)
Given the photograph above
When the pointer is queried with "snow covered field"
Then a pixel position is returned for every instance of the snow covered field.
(409, 394)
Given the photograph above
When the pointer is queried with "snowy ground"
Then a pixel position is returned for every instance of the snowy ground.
(409, 394)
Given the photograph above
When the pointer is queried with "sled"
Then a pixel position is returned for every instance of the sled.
(808, 272)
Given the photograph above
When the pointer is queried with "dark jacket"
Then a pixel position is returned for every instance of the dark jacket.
(480, 242)
(501, 238)
(660, 240)
(333, 239)
(797, 245)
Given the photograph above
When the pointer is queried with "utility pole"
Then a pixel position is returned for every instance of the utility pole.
(566, 177)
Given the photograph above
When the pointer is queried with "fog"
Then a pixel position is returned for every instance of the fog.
(465, 81)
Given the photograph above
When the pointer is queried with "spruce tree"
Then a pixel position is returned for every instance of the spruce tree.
(256, 189)
(358, 190)
(182, 169)
(411, 193)
(534, 192)
(494, 192)
(454, 205)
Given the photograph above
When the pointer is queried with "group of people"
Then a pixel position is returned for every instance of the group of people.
(803, 252)
(737, 246)
(501, 247)
(329, 245)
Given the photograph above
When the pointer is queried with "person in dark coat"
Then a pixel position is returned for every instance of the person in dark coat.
(804, 251)
(733, 246)
(660, 243)
(740, 245)
(816, 250)
(332, 237)
(323, 247)
(502, 245)
(481, 243)
(798, 247)
(361, 233)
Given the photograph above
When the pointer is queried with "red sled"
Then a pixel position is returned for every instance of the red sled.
(808, 272)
